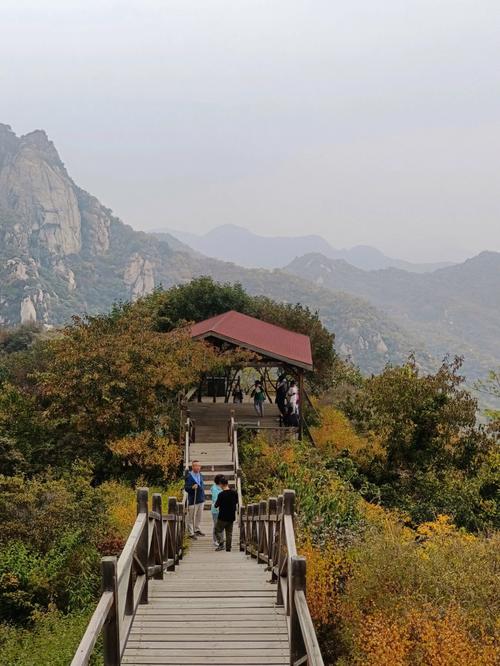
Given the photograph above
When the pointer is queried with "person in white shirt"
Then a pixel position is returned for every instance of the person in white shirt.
(293, 398)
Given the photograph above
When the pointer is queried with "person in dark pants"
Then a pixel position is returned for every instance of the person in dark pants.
(258, 394)
(281, 391)
(227, 501)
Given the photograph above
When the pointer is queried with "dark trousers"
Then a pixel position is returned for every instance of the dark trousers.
(222, 526)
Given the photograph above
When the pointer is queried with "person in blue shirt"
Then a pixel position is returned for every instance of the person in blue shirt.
(215, 490)
(194, 487)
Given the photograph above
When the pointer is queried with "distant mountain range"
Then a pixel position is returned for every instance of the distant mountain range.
(229, 242)
(62, 253)
(455, 309)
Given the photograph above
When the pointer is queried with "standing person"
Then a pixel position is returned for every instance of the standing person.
(292, 417)
(258, 396)
(215, 490)
(281, 391)
(293, 398)
(238, 393)
(194, 486)
(227, 501)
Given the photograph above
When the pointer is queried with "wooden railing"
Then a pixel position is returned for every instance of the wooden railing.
(235, 457)
(154, 545)
(267, 533)
(277, 433)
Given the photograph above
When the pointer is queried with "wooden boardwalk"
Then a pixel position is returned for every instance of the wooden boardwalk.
(163, 605)
(217, 607)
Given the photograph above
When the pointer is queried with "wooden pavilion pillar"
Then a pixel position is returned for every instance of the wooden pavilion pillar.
(301, 402)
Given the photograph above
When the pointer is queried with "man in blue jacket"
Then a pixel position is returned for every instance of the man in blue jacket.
(193, 485)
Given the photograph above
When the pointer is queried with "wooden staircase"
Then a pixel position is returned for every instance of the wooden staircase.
(218, 608)
(211, 446)
(164, 606)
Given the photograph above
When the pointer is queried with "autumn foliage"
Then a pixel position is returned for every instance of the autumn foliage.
(380, 591)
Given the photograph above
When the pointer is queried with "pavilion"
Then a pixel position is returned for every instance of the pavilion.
(273, 345)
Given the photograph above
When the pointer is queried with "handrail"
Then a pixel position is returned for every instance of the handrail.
(186, 446)
(233, 442)
(267, 534)
(155, 544)
(189, 438)
(282, 432)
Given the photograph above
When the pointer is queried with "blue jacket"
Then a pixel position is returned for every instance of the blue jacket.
(216, 490)
(199, 492)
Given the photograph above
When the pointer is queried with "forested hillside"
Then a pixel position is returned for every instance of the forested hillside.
(455, 309)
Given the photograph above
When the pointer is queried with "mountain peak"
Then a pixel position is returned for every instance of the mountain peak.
(39, 141)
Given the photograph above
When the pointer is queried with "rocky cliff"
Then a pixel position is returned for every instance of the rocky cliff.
(58, 245)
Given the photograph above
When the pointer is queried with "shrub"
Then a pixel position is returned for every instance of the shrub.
(52, 640)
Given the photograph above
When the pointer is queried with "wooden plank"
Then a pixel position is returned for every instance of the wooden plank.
(174, 638)
(204, 660)
(184, 651)
(222, 647)
(208, 627)
(250, 602)
(177, 610)
(213, 594)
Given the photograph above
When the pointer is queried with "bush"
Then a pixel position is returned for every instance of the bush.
(39, 510)
(52, 640)
(400, 596)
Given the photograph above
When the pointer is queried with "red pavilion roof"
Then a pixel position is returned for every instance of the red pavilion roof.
(258, 336)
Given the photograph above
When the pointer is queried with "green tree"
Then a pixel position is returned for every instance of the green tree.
(491, 387)
(425, 451)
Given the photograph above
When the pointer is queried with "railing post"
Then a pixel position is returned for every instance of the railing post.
(231, 427)
(277, 549)
(242, 520)
(301, 405)
(248, 527)
(262, 533)
(255, 522)
(171, 545)
(143, 540)
(111, 629)
(158, 523)
(289, 502)
(180, 531)
(271, 525)
(186, 448)
(288, 510)
(297, 584)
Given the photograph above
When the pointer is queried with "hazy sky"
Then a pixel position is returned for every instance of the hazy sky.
(367, 121)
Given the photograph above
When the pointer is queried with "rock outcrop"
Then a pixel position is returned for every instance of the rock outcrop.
(35, 185)
(139, 276)
(58, 254)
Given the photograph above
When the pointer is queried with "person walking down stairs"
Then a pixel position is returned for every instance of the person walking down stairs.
(194, 487)
(226, 502)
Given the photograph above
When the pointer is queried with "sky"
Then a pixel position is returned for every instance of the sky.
(368, 122)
